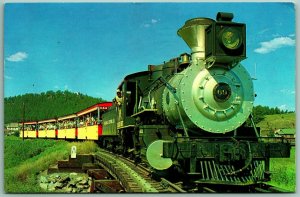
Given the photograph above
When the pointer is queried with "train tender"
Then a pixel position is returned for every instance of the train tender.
(188, 115)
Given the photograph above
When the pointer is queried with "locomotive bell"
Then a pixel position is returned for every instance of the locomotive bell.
(193, 33)
(184, 58)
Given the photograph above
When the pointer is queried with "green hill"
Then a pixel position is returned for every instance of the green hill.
(271, 123)
(45, 105)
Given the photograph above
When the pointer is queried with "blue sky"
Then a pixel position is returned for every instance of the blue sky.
(90, 48)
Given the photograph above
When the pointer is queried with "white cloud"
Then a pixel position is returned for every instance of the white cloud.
(7, 77)
(274, 44)
(150, 23)
(287, 107)
(263, 31)
(146, 25)
(153, 21)
(283, 107)
(276, 35)
(63, 88)
(17, 57)
(287, 91)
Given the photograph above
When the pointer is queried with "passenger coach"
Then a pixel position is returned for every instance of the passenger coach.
(83, 125)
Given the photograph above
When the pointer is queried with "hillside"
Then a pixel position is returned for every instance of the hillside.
(24, 160)
(277, 121)
(45, 105)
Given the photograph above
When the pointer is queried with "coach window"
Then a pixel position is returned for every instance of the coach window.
(81, 122)
(41, 127)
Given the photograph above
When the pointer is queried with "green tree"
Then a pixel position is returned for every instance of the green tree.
(46, 105)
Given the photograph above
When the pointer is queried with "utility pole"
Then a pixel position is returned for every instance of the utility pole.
(254, 78)
(23, 121)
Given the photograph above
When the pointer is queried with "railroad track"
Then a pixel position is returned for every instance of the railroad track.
(257, 188)
(122, 175)
(265, 188)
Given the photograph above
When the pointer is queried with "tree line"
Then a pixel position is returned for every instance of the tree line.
(52, 104)
(259, 112)
(45, 105)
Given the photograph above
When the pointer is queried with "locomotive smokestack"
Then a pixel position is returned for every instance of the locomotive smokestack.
(193, 33)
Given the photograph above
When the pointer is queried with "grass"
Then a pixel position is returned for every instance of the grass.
(284, 172)
(277, 121)
(83, 147)
(24, 160)
(16, 151)
(283, 169)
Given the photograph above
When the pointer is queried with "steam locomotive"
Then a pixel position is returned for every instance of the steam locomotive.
(188, 115)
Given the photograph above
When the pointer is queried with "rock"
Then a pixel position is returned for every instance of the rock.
(83, 182)
(58, 185)
(69, 190)
(71, 184)
(80, 186)
(43, 179)
(44, 186)
(51, 187)
(78, 179)
(64, 179)
(63, 182)
(73, 174)
(51, 179)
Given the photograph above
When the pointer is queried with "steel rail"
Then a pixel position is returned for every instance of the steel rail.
(266, 188)
(162, 185)
(137, 178)
(130, 179)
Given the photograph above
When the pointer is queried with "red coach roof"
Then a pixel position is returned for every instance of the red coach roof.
(104, 105)
(32, 122)
(67, 117)
(45, 121)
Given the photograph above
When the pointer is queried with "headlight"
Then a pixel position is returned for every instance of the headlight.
(231, 38)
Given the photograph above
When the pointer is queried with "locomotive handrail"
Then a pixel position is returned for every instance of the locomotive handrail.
(249, 160)
(168, 85)
(253, 124)
(173, 92)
